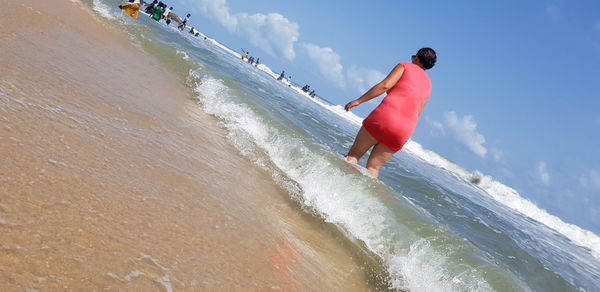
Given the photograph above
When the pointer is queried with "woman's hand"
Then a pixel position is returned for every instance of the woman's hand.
(352, 104)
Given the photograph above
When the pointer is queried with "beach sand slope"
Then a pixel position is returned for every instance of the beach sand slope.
(112, 178)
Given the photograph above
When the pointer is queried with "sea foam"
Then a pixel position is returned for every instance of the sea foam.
(342, 198)
(102, 9)
(510, 198)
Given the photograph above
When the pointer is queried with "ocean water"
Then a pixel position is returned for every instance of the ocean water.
(431, 224)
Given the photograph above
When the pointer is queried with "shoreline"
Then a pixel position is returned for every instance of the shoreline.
(105, 185)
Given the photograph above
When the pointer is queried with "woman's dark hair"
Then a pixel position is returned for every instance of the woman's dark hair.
(427, 57)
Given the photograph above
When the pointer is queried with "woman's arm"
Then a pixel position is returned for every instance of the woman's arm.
(379, 88)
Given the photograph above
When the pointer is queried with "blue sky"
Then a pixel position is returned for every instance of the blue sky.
(515, 92)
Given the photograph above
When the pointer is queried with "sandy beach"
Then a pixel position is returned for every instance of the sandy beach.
(112, 178)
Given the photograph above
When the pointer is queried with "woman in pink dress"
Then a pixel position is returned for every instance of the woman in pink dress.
(391, 124)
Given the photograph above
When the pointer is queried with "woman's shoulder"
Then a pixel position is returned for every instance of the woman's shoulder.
(407, 64)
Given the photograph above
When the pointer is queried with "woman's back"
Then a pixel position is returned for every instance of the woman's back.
(410, 91)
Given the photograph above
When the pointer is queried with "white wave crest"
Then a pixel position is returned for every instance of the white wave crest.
(102, 9)
(341, 198)
(511, 198)
(184, 55)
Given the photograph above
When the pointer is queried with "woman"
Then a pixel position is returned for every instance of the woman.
(392, 123)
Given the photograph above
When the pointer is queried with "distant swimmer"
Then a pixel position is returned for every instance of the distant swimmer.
(281, 76)
(312, 93)
(257, 61)
(132, 8)
(193, 31)
(390, 125)
(244, 55)
(183, 22)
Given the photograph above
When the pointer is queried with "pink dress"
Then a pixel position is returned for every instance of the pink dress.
(394, 120)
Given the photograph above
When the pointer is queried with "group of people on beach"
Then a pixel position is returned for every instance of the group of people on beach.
(250, 59)
(158, 11)
(306, 88)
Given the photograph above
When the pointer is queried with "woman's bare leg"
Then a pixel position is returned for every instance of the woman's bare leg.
(378, 157)
(362, 143)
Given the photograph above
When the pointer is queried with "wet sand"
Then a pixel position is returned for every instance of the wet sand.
(112, 178)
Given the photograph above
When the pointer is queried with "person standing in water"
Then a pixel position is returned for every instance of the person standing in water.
(281, 76)
(165, 14)
(390, 125)
(184, 22)
(158, 10)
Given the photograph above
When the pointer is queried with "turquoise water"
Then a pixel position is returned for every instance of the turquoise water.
(433, 225)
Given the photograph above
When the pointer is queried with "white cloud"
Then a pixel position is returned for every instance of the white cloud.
(590, 180)
(542, 173)
(363, 79)
(497, 154)
(271, 32)
(328, 62)
(464, 130)
(219, 10)
(505, 172)
(437, 129)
